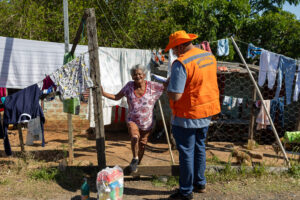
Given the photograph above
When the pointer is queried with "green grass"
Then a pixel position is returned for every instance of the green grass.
(4, 181)
(214, 160)
(171, 182)
(225, 175)
(294, 170)
(45, 174)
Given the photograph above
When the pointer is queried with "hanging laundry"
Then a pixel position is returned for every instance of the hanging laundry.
(223, 47)
(23, 101)
(34, 132)
(115, 67)
(240, 100)
(253, 51)
(297, 85)
(47, 83)
(262, 117)
(286, 68)
(2, 94)
(234, 102)
(277, 107)
(72, 79)
(268, 66)
(232, 107)
(71, 106)
(227, 101)
(205, 46)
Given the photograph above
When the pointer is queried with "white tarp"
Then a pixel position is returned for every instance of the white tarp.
(26, 62)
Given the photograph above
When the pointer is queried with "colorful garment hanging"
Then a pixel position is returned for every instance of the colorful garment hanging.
(223, 47)
(205, 46)
(262, 119)
(253, 51)
(2, 94)
(72, 79)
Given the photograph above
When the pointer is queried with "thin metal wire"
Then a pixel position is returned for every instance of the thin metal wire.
(107, 20)
(120, 25)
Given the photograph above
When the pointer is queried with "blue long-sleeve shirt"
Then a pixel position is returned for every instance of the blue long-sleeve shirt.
(23, 101)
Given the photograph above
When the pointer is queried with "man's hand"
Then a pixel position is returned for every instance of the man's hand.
(166, 83)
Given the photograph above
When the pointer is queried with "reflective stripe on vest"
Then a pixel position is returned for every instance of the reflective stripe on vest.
(200, 98)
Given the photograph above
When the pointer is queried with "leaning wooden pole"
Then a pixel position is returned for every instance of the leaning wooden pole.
(97, 94)
(166, 131)
(262, 102)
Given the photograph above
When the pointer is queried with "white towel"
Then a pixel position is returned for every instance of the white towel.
(262, 118)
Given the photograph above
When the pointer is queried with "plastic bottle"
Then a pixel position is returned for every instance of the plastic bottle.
(85, 190)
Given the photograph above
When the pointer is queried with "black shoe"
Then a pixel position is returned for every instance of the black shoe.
(179, 196)
(133, 167)
(199, 188)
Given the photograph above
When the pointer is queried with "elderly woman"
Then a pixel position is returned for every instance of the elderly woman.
(141, 96)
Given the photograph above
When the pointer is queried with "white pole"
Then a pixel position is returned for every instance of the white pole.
(262, 101)
(66, 33)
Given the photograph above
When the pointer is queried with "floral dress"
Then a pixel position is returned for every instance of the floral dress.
(140, 109)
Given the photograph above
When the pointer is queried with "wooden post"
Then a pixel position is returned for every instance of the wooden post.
(251, 142)
(75, 42)
(21, 137)
(97, 94)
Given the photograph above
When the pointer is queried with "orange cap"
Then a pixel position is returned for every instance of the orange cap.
(179, 37)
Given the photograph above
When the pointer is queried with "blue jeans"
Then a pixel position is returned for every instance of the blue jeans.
(286, 68)
(190, 143)
(277, 105)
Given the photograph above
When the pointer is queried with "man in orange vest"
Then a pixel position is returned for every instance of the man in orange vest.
(194, 98)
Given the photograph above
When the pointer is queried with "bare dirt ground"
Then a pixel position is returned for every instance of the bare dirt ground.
(118, 150)
(15, 183)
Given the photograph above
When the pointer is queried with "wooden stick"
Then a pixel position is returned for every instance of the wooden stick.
(79, 31)
(97, 94)
(21, 137)
(166, 131)
(252, 120)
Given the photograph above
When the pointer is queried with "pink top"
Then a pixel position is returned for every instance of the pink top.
(140, 109)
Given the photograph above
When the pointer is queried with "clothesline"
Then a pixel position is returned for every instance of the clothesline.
(246, 43)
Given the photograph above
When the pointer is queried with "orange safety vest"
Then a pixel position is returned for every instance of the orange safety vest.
(200, 98)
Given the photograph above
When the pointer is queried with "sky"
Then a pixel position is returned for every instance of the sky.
(293, 9)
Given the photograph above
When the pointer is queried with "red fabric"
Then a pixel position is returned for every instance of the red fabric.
(116, 114)
(123, 115)
(47, 82)
(205, 45)
(2, 94)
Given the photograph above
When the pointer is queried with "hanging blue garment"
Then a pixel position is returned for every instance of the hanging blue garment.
(286, 68)
(253, 51)
(277, 107)
(223, 47)
(23, 101)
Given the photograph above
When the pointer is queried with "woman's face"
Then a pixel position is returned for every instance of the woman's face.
(138, 76)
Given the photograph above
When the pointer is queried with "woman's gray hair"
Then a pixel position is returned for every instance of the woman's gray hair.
(136, 67)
